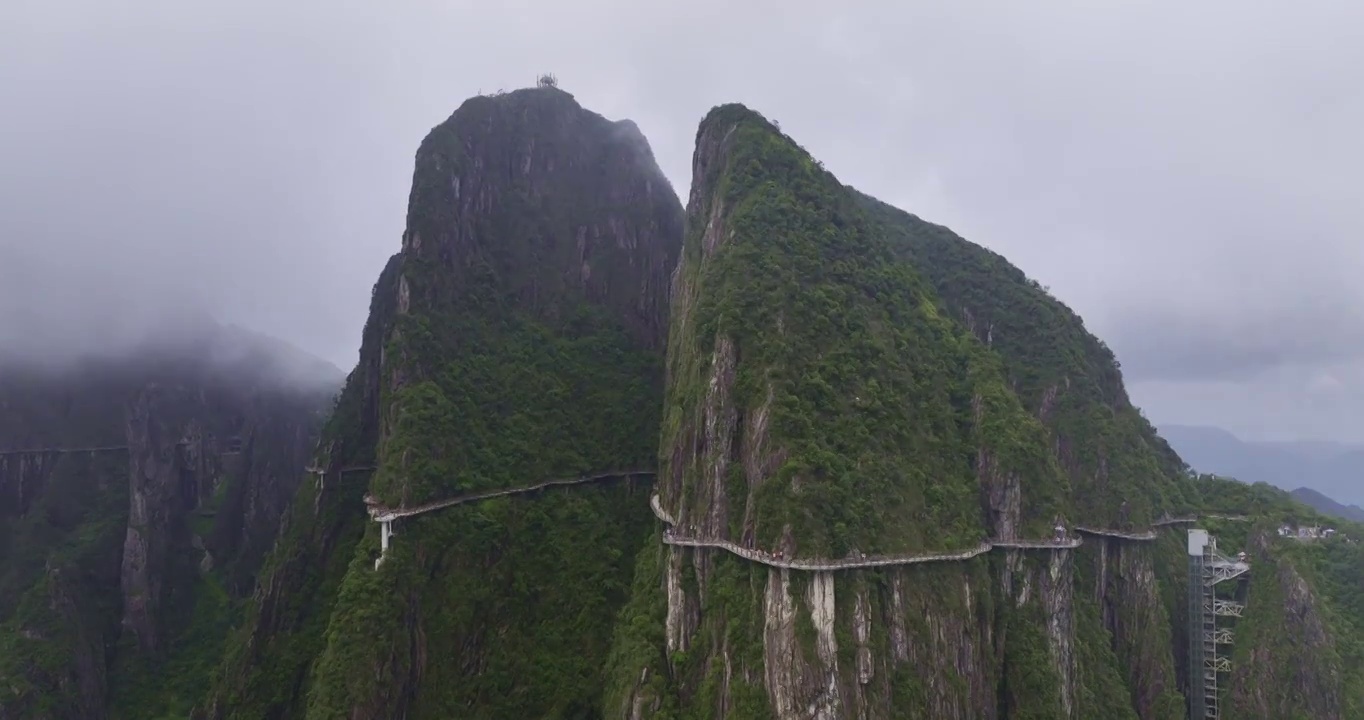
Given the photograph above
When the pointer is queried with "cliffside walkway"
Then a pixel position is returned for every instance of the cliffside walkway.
(1044, 544)
(317, 470)
(385, 515)
(1151, 534)
(670, 537)
(1143, 536)
(63, 450)
(818, 565)
(74, 450)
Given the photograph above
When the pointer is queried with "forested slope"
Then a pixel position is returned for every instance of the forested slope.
(122, 568)
(813, 374)
(821, 401)
(516, 337)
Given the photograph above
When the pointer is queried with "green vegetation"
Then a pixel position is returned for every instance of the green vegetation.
(1121, 473)
(1279, 673)
(1298, 647)
(1031, 686)
(268, 663)
(167, 685)
(523, 587)
(828, 327)
(896, 386)
(840, 376)
(1103, 693)
(57, 563)
(1063, 374)
(887, 428)
(145, 688)
(872, 394)
(525, 348)
(265, 671)
(1335, 571)
(62, 638)
(517, 401)
(65, 559)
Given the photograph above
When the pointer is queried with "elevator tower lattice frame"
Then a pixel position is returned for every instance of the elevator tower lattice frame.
(1207, 569)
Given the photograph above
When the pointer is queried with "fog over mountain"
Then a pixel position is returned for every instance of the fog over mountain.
(1197, 205)
(177, 341)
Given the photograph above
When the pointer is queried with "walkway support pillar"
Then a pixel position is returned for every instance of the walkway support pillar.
(385, 535)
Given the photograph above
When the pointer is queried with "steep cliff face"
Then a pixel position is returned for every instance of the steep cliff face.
(1121, 473)
(517, 337)
(841, 378)
(1297, 648)
(1121, 579)
(266, 668)
(59, 577)
(133, 531)
(819, 404)
(803, 353)
(1131, 597)
(1287, 662)
(210, 470)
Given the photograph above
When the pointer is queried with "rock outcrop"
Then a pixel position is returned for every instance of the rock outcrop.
(55, 590)
(266, 670)
(1286, 662)
(146, 492)
(1119, 472)
(516, 337)
(840, 378)
(819, 404)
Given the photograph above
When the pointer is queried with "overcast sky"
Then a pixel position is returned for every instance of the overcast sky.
(1185, 175)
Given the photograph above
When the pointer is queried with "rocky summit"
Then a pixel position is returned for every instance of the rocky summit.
(823, 404)
(787, 453)
(517, 338)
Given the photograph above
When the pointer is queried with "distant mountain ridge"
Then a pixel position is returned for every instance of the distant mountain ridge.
(1331, 469)
(1323, 504)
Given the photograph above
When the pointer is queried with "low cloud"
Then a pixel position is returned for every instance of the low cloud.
(1170, 345)
(1189, 186)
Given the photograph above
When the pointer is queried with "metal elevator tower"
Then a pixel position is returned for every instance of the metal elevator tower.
(1207, 569)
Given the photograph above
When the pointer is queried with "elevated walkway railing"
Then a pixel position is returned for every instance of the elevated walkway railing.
(387, 515)
(1037, 544)
(381, 513)
(671, 537)
(63, 450)
(92, 449)
(321, 470)
(1143, 536)
(817, 565)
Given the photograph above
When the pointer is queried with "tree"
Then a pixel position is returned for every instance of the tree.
(547, 80)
